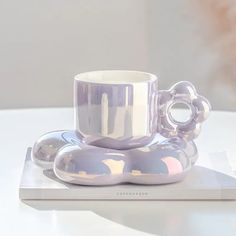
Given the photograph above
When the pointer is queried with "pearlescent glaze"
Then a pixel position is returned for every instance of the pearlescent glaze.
(116, 109)
(73, 161)
(182, 92)
(124, 109)
(118, 115)
(47, 146)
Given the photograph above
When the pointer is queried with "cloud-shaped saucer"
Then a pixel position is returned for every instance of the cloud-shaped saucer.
(166, 160)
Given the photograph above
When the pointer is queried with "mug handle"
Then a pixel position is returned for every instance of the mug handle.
(182, 93)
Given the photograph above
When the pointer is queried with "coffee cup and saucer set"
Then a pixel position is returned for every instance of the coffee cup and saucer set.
(124, 131)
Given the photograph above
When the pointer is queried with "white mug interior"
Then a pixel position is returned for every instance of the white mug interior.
(116, 77)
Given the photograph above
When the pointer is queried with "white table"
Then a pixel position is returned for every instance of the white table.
(20, 128)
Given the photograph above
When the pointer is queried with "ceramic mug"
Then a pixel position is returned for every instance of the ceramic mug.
(125, 109)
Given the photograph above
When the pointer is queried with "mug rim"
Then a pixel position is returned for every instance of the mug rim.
(99, 77)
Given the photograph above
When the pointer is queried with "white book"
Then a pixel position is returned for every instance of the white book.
(211, 178)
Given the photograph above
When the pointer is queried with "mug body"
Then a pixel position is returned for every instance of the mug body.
(116, 109)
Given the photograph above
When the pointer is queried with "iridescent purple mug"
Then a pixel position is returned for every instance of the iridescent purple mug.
(124, 109)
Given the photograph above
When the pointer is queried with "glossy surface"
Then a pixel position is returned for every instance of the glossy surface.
(117, 116)
(73, 161)
(47, 146)
(132, 218)
(116, 109)
(182, 92)
(124, 109)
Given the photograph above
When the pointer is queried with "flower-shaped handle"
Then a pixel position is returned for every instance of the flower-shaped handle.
(182, 93)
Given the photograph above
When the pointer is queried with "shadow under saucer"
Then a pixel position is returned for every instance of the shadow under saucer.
(154, 217)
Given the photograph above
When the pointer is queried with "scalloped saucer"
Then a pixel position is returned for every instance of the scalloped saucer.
(165, 160)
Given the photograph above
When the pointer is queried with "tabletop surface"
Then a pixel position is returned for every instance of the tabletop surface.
(20, 128)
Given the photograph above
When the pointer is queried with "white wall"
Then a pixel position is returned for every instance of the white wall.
(43, 44)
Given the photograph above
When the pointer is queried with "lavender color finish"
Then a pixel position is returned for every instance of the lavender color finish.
(73, 161)
(47, 146)
(182, 92)
(116, 109)
(123, 109)
(118, 114)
